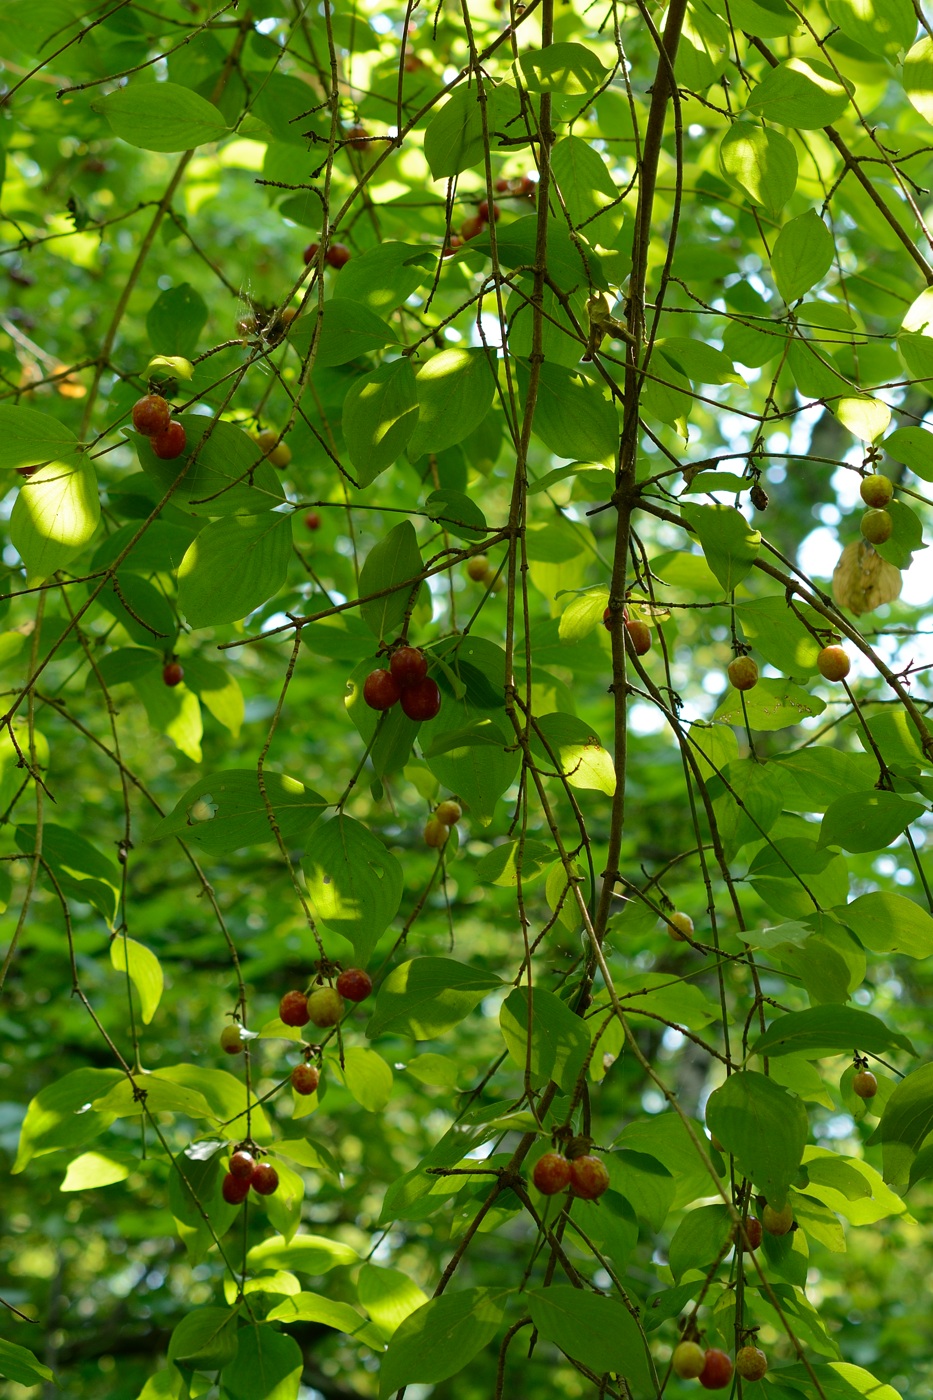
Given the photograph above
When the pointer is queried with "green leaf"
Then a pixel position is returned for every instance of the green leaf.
(812, 778)
(423, 998)
(867, 821)
(453, 138)
(913, 447)
(581, 758)
(217, 690)
(145, 972)
(18, 1364)
(305, 1254)
(210, 592)
(60, 1115)
(28, 438)
(141, 609)
(918, 77)
(220, 472)
(455, 389)
(773, 704)
(762, 162)
(699, 1239)
(458, 514)
(887, 26)
(161, 116)
(866, 418)
(553, 1046)
(395, 559)
(569, 68)
(367, 1076)
(205, 1339)
(729, 543)
(92, 1170)
(829, 1030)
(81, 870)
(582, 614)
(55, 515)
(777, 634)
(379, 416)
(887, 922)
(572, 416)
(598, 1331)
(441, 1337)
(763, 1126)
(348, 330)
(838, 1381)
(388, 1295)
(586, 187)
(313, 1307)
(354, 882)
(173, 711)
(385, 276)
(802, 255)
(267, 1366)
(803, 93)
(794, 877)
(176, 319)
(224, 811)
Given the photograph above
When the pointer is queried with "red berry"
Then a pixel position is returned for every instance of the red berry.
(171, 443)
(551, 1173)
(865, 1085)
(408, 665)
(503, 186)
(173, 673)
(527, 185)
(27, 471)
(483, 211)
(358, 136)
(151, 415)
(312, 520)
(471, 227)
(639, 635)
(752, 1233)
(305, 1079)
(325, 1006)
(337, 255)
(242, 1166)
(422, 700)
(717, 1372)
(310, 253)
(293, 1009)
(454, 242)
(751, 1363)
(607, 620)
(354, 984)
(235, 1189)
(588, 1177)
(230, 1039)
(380, 690)
(265, 1179)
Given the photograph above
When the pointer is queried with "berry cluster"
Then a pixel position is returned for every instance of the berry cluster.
(276, 453)
(406, 681)
(713, 1368)
(245, 1172)
(876, 524)
(152, 416)
(437, 830)
(586, 1175)
(336, 255)
(637, 633)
